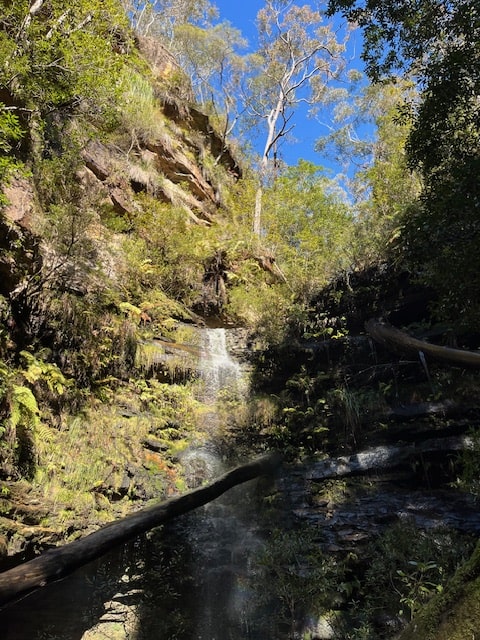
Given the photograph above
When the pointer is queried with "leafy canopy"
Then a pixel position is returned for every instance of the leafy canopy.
(438, 42)
(307, 226)
(55, 55)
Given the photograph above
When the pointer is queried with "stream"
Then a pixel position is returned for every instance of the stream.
(202, 576)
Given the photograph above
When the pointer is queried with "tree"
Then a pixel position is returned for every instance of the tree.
(438, 43)
(368, 138)
(298, 55)
(162, 17)
(307, 227)
(56, 58)
(208, 53)
(212, 60)
(400, 34)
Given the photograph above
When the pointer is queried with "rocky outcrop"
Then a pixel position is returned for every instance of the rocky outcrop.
(161, 171)
(20, 195)
(190, 118)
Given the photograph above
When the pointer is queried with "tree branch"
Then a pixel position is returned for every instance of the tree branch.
(57, 563)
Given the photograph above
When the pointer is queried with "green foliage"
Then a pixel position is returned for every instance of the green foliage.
(166, 253)
(400, 34)
(46, 373)
(298, 54)
(211, 59)
(20, 423)
(419, 583)
(441, 233)
(10, 133)
(23, 408)
(407, 567)
(308, 228)
(95, 343)
(162, 17)
(172, 404)
(439, 43)
(383, 185)
(139, 109)
(454, 613)
(294, 579)
(59, 56)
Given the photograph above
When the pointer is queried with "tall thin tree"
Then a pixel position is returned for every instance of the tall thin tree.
(298, 55)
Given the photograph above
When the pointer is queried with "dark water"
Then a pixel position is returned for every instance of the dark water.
(201, 577)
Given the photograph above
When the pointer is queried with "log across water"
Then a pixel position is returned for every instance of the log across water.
(58, 563)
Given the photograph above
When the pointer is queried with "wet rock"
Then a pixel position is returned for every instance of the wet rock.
(153, 444)
(324, 630)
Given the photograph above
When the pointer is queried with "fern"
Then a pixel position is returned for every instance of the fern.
(50, 374)
(23, 408)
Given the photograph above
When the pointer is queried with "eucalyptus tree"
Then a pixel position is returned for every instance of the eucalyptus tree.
(437, 42)
(213, 59)
(208, 52)
(298, 55)
(368, 138)
(162, 17)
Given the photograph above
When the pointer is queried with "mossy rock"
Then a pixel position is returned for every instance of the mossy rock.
(455, 613)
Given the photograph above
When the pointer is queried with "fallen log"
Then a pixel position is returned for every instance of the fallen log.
(57, 563)
(383, 458)
(421, 410)
(390, 337)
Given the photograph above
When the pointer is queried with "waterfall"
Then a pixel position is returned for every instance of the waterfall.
(221, 537)
(190, 579)
(219, 371)
(219, 374)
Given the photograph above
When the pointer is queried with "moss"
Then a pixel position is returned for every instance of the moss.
(455, 613)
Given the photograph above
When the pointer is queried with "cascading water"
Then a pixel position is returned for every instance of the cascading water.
(200, 576)
(217, 368)
(189, 580)
(219, 374)
(222, 540)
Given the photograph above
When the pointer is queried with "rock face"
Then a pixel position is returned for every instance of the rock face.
(21, 201)
(180, 160)
(176, 163)
(171, 165)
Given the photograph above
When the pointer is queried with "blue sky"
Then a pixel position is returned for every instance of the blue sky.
(242, 15)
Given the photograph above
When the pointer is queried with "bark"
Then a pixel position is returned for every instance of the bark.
(57, 563)
(390, 337)
(384, 458)
(257, 215)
